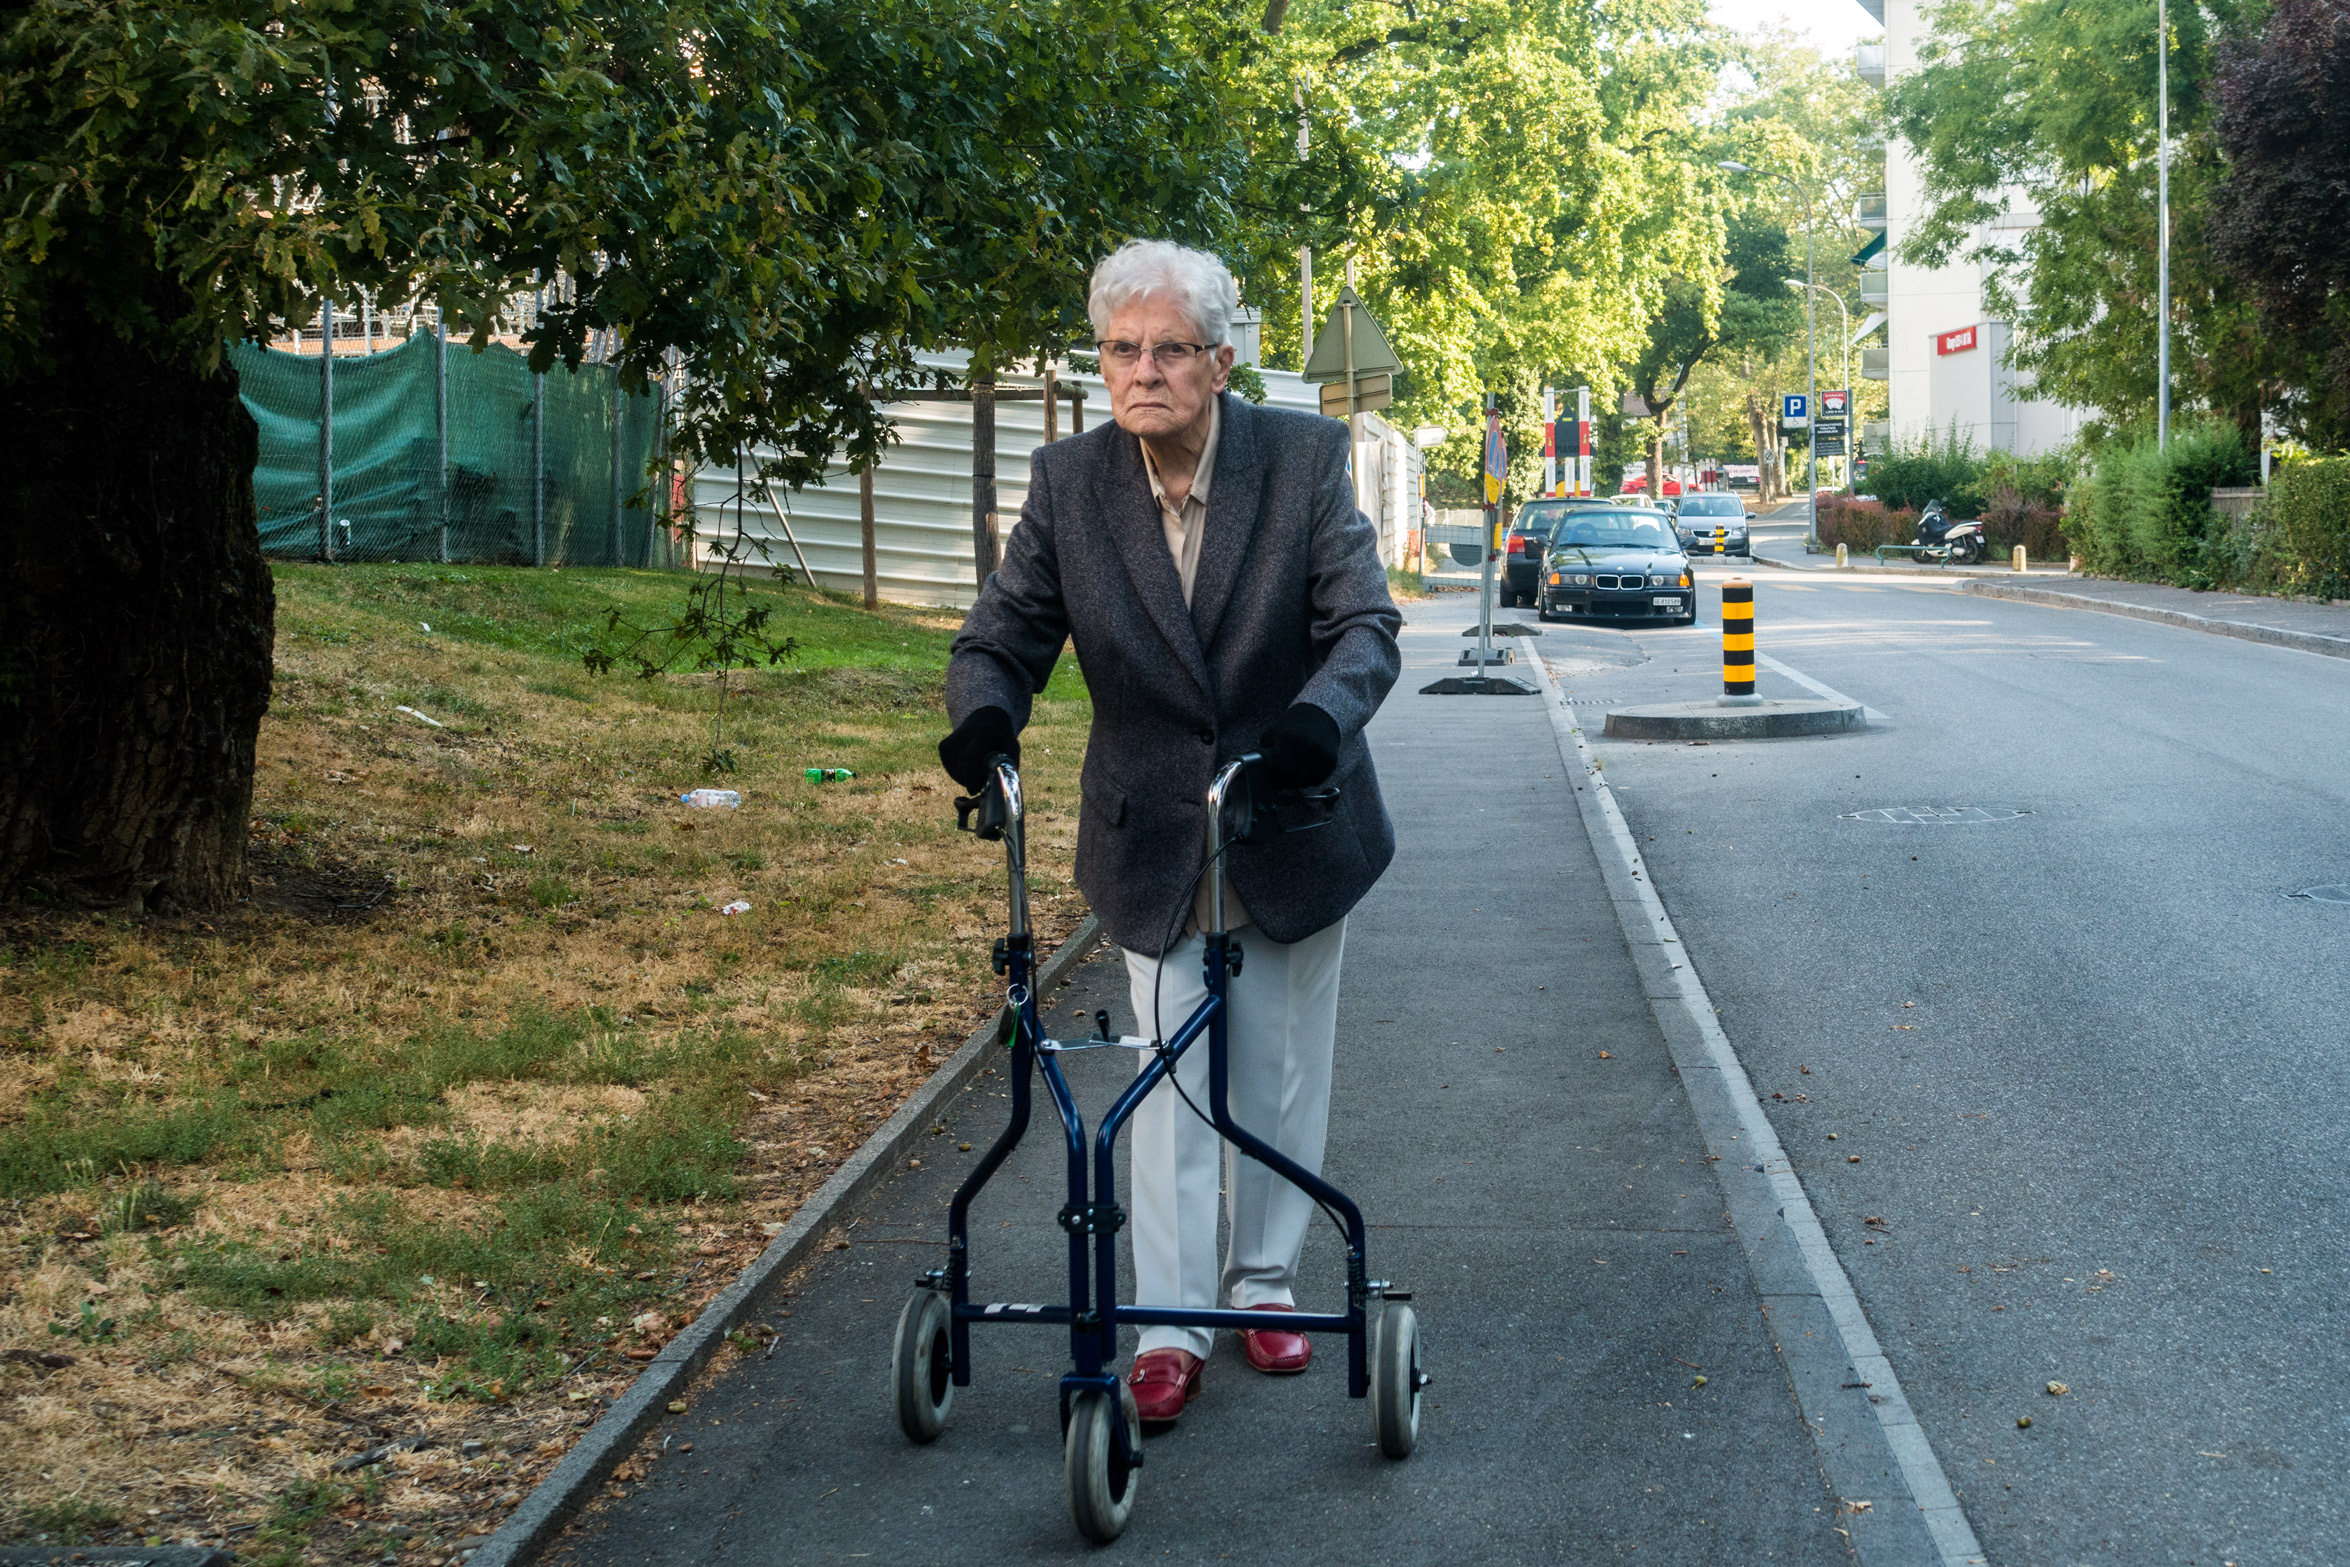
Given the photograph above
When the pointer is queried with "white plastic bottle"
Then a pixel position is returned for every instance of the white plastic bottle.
(711, 798)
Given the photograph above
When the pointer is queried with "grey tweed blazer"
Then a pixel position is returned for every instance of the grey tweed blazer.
(1290, 605)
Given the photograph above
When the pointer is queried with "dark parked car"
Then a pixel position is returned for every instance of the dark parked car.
(1712, 524)
(1519, 579)
(1618, 563)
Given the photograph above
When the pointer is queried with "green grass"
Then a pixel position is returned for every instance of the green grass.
(68, 1520)
(559, 614)
(545, 1087)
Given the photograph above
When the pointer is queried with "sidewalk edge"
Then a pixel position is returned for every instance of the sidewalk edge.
(1788, 1239)
(543, 1513)
(2248, 631)
(1908, 568)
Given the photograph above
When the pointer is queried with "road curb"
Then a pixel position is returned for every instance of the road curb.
(1772, 720)
(593, 1457)
(1898, 1506)
(2275, 636)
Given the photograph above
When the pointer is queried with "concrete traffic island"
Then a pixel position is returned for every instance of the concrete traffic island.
(1774, 719)
(1737, 714)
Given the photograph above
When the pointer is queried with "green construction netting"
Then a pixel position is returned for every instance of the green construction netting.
(388, 498)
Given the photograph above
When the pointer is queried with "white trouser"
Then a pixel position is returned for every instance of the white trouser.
(1284, 1021)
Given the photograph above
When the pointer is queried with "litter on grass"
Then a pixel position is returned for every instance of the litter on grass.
(413, 713)
(736, 907)
(711, 799)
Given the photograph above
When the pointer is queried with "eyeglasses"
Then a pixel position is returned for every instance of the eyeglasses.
(1168, 356)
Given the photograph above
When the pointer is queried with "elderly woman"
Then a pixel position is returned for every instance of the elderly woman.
(1224, 596)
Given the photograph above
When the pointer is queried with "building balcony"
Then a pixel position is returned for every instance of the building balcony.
(1876, 364)
(1868, 62)
(1868, 210)
(1875, 288)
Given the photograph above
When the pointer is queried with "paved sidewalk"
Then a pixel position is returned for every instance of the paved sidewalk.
(1508, 1113)
(1789, 554)
(2302, 623)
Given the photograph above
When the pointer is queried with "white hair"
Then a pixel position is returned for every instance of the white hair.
(1199, 285)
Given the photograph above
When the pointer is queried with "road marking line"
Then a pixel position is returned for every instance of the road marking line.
(1816, 688)
(1929, 1487)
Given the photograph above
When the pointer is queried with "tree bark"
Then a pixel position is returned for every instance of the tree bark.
(136, 620)
(1765, 475)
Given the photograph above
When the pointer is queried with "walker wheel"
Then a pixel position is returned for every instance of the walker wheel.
(920, 1364)
(1101, 1481)
(1396, 1380)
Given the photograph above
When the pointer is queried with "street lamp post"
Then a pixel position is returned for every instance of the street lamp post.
(2162, 214)
(1844, 317)
(1811, 362)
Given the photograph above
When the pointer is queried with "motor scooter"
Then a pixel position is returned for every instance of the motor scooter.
(1944, 541)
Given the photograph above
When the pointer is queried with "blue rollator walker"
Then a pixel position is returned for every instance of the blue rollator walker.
(1102, 1431)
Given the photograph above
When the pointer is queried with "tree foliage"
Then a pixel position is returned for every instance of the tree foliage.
(2280, 217)
(792, 199)
(2034, 126)
(1514, 181)
(1745, 307)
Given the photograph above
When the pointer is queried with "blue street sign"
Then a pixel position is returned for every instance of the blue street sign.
(1795, 405)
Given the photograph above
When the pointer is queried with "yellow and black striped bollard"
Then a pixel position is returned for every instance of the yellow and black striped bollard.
(1738, 643)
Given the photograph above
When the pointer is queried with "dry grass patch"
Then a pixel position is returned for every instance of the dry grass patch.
(478, 1097)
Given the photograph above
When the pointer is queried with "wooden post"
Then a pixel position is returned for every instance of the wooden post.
(865, 528)
(1052, 405)
(1077, 410)
(983, 520)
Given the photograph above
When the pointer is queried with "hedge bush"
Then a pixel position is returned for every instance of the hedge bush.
(2012, 517)
(1860, 525)
(1927, 468)
(2145, 512)
(2308, 509)
(2017, 499)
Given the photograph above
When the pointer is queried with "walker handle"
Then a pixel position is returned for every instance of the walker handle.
(1267, 813)
(988, 803)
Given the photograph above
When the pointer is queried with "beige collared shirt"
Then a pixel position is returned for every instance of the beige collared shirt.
(1184, 529)
(1186, 526)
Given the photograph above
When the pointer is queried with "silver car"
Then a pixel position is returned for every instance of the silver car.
(1711, 524)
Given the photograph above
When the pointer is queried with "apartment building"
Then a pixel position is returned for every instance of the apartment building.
(1941, 352)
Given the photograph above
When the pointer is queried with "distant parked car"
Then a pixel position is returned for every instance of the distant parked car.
(1637, 484)
(1712, 525)
(1519, 580)
(1619, 563)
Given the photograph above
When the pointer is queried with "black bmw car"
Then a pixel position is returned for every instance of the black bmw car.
(1619, 564)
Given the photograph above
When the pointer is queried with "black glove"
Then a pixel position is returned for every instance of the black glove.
(1301, 749)
(978, 740)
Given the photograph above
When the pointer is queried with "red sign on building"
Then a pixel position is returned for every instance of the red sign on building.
(1957, 342)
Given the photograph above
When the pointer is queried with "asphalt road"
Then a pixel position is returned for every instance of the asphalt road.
(1508, 1114)
(2082, 1045)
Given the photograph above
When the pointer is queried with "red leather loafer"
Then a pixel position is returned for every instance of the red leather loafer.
(1164, 1380)
(1274, 1352)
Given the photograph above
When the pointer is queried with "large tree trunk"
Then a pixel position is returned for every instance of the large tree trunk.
(136, 618)
(1765, 474)
(1656, 458)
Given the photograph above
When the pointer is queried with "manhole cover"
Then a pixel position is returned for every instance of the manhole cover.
(1934, 815)
(2323, 894)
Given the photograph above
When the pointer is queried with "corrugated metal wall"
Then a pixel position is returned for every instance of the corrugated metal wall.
(922, 493)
